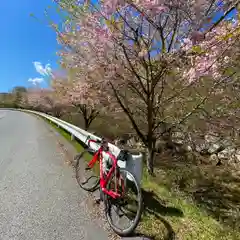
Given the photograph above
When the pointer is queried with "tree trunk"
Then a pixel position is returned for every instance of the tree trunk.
(86, 123)
(88, 113)
(89, 119)
(150, 159)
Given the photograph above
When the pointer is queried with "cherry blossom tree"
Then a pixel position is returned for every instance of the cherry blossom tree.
(74, 94)
(34, 99)
(158, 60)
(44, 100)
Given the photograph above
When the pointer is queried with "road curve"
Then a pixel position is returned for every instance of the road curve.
(39, 197)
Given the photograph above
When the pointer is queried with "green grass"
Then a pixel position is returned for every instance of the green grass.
(169, 214)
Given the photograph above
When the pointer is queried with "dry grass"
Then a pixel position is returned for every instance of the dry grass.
(107, 126)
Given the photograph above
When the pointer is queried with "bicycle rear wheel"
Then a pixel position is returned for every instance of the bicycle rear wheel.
(127, 205)
(86, 178)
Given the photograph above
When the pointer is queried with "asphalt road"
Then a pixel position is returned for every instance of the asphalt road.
(39, 197)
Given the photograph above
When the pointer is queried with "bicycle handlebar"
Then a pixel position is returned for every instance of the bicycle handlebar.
(94, 141)
(102, 142)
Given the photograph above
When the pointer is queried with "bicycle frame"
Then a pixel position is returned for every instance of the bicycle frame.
(104, 179)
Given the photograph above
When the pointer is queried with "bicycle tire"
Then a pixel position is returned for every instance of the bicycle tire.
(126, 232)
(80, 171)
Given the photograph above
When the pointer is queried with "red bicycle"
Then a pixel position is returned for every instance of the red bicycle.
(118, 186)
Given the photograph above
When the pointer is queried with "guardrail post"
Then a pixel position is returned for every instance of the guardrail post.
(72, 137)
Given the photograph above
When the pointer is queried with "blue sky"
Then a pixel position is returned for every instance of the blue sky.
(28, 47)
(24, 41)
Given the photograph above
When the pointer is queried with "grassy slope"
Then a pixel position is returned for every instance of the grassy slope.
(169, 215)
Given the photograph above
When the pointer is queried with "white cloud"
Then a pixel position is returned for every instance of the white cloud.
(44, 71)
(36, 81)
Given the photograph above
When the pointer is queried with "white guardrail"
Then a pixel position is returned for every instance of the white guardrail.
(133, 164)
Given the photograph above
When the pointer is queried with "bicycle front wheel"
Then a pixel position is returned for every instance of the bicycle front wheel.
(86, 178)
(124, 213)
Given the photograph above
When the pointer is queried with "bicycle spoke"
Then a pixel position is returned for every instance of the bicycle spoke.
(124, 213)
(85, 176)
